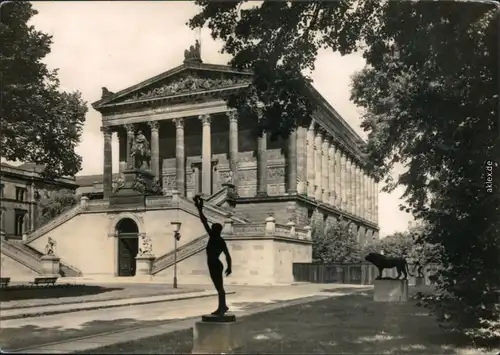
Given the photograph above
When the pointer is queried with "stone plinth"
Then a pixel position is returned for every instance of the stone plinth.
(136, 185)
(389, 290)
(218, 335)
(230, 190)
(144, 264)
(419, 281)
(51, 266)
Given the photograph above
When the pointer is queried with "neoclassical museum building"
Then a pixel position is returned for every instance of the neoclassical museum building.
(266, 193)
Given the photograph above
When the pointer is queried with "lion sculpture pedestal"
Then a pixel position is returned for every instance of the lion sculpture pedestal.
(390, 290)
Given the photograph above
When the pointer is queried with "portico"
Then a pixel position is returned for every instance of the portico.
(198, 143)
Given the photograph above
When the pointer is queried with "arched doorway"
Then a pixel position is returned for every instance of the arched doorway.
(128, 246)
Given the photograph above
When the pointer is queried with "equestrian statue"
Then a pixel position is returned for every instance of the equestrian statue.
(140, 152)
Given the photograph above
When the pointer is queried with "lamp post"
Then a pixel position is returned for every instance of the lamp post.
(176, 226)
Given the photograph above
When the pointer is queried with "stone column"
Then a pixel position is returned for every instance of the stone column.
(180, 159)
(2, 221)
(331, 174)
(375, 217)
(338, 177)
(311, 177)
(262, 165)
(372, 199)
(107, 177)
(155, 148)
(130, 139)
(292, 163)
(353, 186)
(325, 184)
(233, 147)
(302, 160)
(361, 192)
(367, 197)
(318, 142)
(206, 156)
(344, 187)
(122, 150)
(349, 184)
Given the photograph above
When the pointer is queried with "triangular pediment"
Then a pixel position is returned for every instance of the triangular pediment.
(182, 80)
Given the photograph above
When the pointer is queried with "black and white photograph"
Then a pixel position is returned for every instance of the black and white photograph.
(250, 177)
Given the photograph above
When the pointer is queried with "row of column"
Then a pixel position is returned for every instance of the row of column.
(180, 157)
(333, 176)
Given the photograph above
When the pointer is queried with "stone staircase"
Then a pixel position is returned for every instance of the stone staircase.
(213, 214)
(216, 213)
(31, 258)
(22, 257)
(218, 198)
(55, 222)
(183, 252)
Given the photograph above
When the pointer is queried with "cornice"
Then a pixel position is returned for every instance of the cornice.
(11, 171)
(185, 66)
(213, 93)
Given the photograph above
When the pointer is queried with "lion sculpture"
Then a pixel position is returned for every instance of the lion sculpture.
(384, 262)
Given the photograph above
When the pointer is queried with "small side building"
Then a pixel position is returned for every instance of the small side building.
(20, 187)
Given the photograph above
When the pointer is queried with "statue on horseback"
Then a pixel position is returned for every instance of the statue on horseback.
(140, 152)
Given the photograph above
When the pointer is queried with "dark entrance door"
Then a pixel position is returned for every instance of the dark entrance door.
(128, 247)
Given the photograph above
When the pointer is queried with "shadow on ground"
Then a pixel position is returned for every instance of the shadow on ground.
(18, 338)
(349, 324)
(18, 293)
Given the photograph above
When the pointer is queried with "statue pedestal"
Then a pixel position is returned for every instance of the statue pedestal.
(144, 263)
(419, 281)
(51, 266)
(230, 190)
(136, 186)
(387, 290)
(218, 335)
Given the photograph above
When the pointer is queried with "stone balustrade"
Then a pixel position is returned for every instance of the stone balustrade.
(269, 228)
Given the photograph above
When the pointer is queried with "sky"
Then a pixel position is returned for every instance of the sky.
(118, 44)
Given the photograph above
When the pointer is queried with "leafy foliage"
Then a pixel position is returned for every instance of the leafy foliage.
(431, 101)
(279, 42)
(430, 94)
(335, 243)
(54, 204)
(40, 124)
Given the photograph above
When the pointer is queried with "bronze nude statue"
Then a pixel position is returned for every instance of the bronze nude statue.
(216, 245)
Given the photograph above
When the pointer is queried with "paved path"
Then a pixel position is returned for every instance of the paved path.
(141, 321)
(6, 314)
(84, 291)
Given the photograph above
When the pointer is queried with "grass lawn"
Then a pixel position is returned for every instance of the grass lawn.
(352, 324)
(20, 296)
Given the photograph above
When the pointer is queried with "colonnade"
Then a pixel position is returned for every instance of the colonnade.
(335, 176)
(318, 166)
(180, 157)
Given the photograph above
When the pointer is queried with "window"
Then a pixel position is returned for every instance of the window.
(20, 193)
(1, 190)
(19, 222)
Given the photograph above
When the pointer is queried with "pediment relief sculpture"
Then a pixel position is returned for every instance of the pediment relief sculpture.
(187, 84)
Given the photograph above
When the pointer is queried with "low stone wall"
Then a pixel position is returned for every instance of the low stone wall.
(262, 254)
